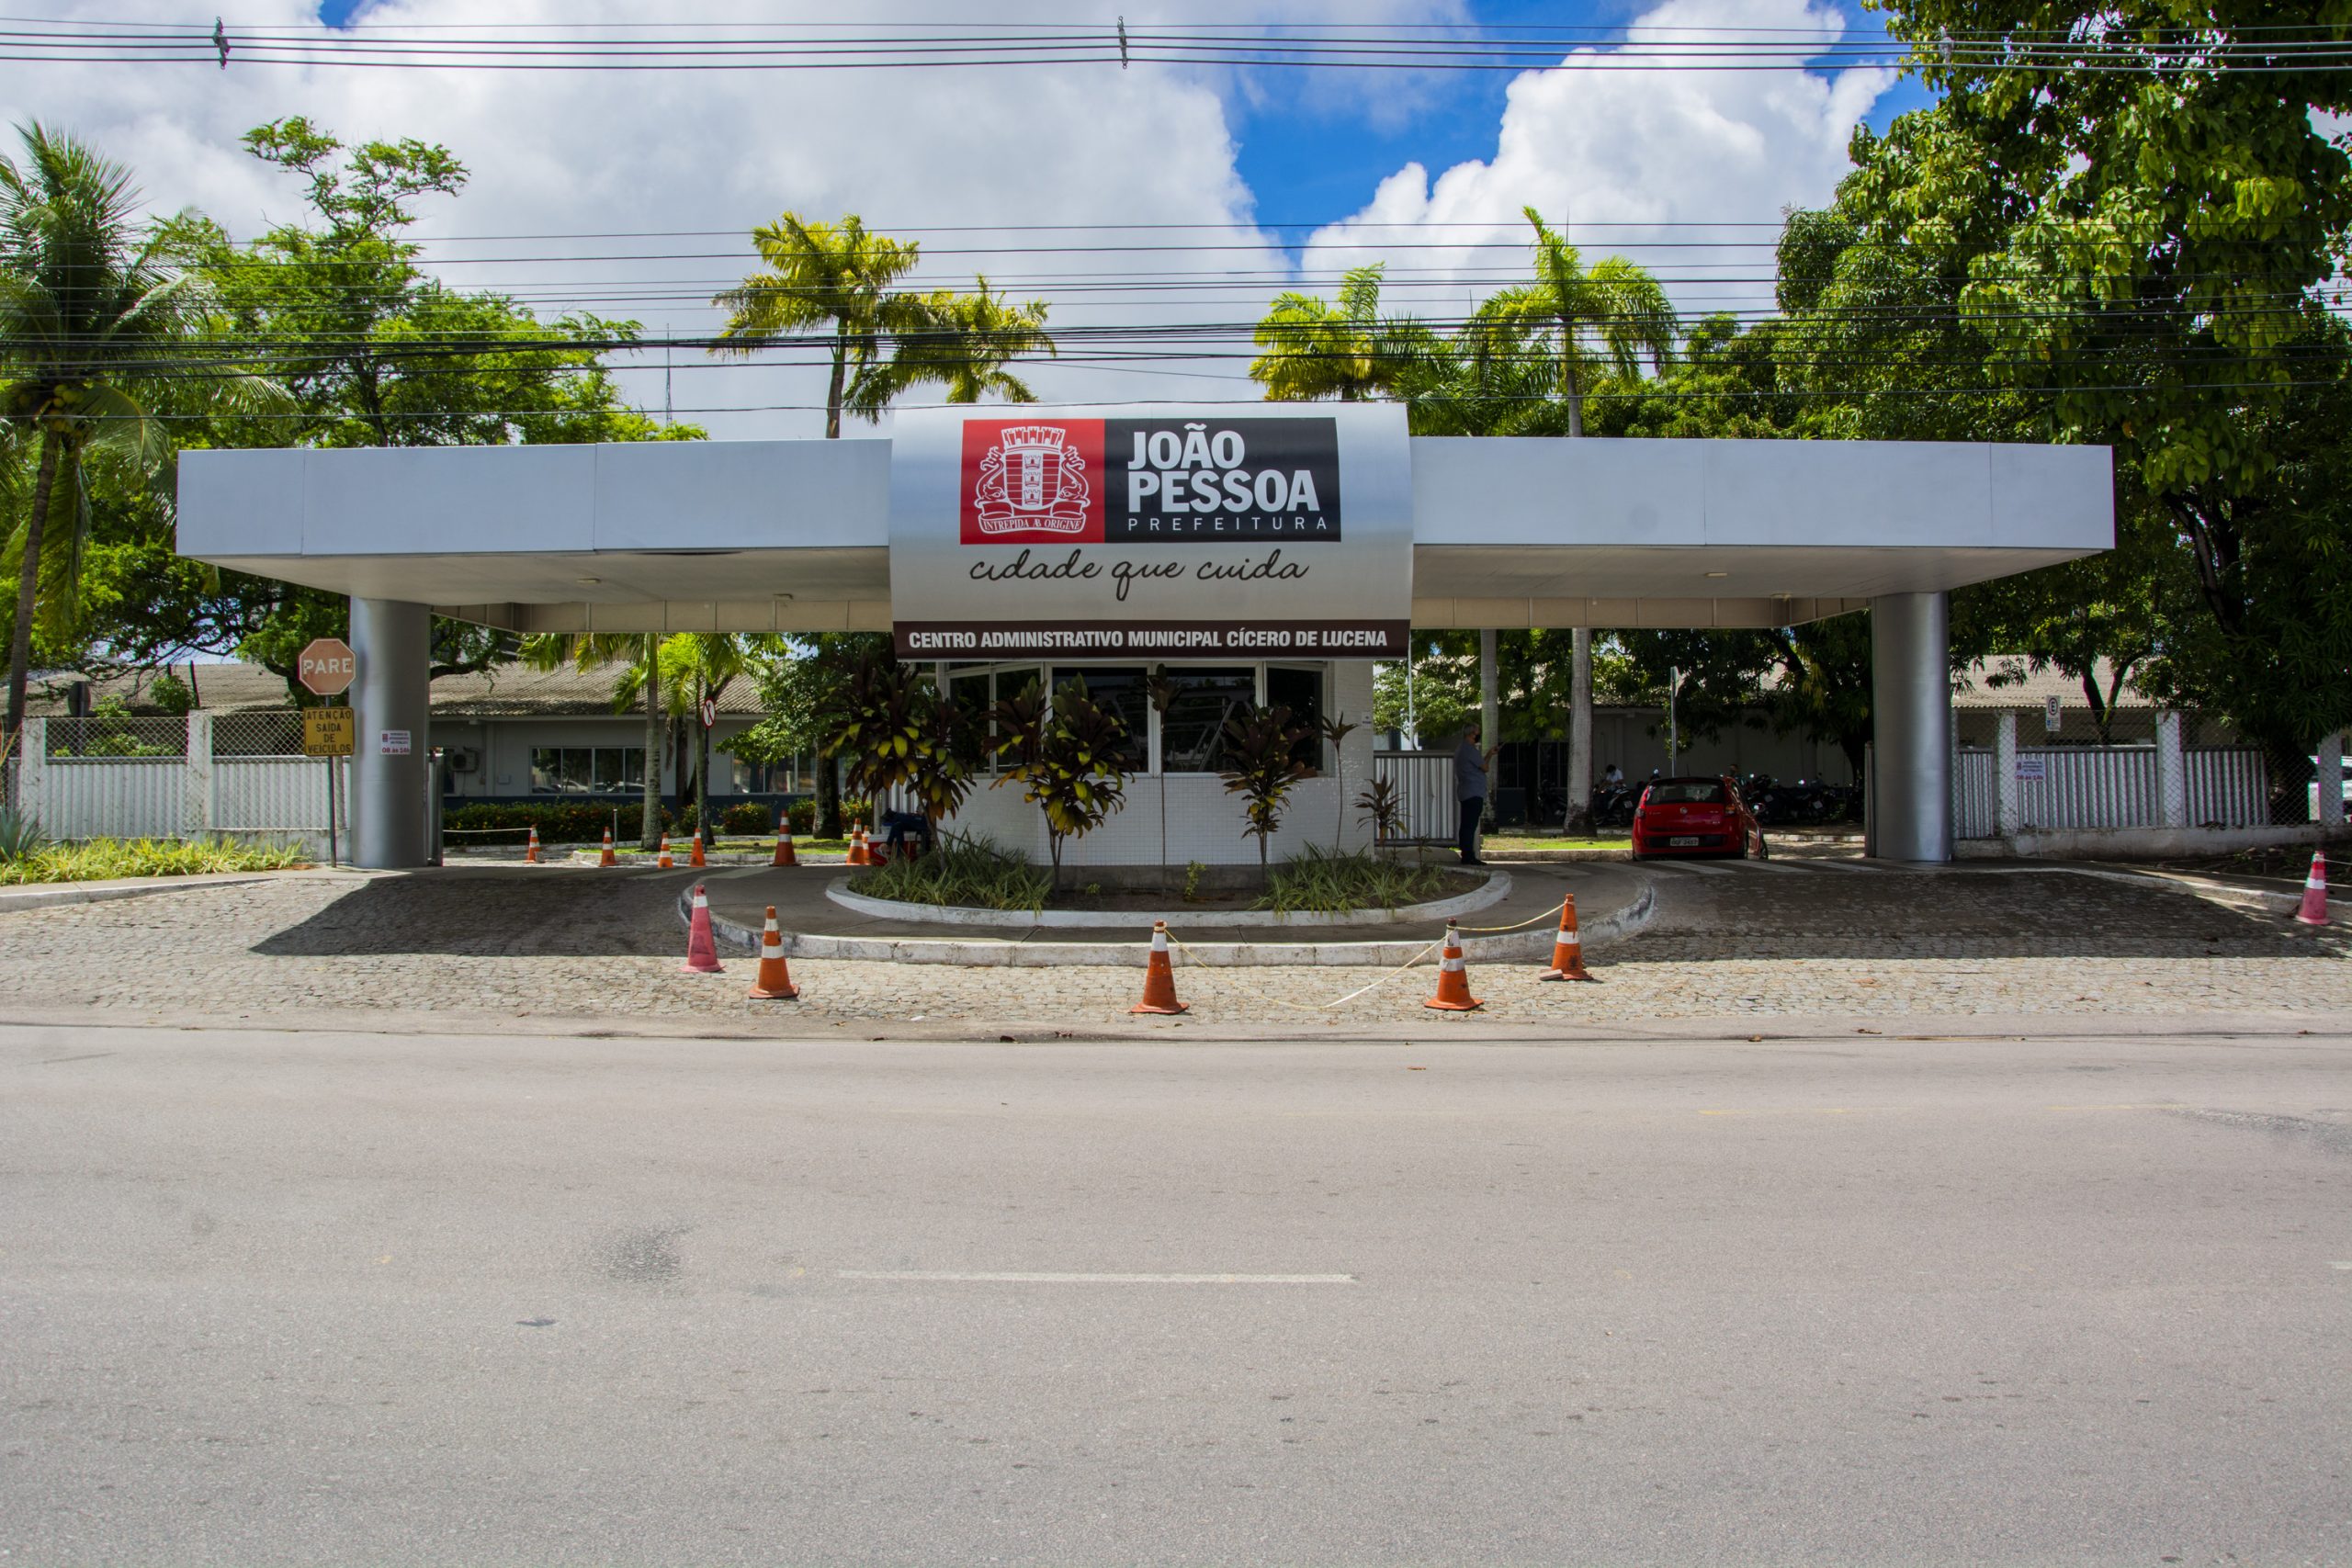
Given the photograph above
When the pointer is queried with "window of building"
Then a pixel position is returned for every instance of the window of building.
(1124, 691)
(1301, 691)
(1192, 733)
(587, 770)
(972, 695)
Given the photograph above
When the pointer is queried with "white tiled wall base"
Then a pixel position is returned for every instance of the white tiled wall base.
(1205, 823)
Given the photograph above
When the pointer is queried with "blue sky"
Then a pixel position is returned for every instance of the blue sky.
(1309, 166)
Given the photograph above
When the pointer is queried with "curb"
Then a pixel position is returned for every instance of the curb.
(43, 895)
(1000, 952)
(1492, 889)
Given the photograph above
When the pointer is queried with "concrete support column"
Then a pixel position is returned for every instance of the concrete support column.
(203, 799)
(2331, 780)
(1911, 713)
(2172, 773)
(394, 641)
(2008, 812)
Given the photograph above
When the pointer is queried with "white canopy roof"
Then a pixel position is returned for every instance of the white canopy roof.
(792, 535)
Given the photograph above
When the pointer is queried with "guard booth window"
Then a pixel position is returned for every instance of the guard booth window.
(1192, 733)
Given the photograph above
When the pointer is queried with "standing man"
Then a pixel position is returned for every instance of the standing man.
(1470, 789)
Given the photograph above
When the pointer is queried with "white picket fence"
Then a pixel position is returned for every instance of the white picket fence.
(1428, 810)
(171, 778)
(2076, 787)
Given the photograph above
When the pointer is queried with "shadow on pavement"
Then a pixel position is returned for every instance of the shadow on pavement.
(1959, 915)
(484, 913)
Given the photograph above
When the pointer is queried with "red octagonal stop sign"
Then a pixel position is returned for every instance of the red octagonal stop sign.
(327, 666)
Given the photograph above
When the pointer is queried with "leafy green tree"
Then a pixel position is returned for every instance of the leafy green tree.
(93, 319)
(1343, 348)
(694, 668)
(797, 678)
(2151, 244)
(1590, 322)
(371, 351)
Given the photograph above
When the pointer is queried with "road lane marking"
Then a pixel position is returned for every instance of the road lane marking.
(1031, 1277)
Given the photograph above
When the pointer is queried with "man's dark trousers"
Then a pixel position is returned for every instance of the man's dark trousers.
(1472, 810)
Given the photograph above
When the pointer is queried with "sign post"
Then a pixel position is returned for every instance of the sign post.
(326, 668)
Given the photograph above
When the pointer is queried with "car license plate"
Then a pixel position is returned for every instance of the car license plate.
(1682, 843)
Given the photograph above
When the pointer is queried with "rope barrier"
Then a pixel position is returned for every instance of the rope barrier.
(1177, 943)
(1532, 919)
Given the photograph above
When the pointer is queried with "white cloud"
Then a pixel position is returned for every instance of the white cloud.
(1664, 166)
(562, 152)
(649, 151)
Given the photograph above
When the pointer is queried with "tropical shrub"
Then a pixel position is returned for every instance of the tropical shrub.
(801, 817)
(19, 835)
(1324, 881)
(1068, 756)
(747, 816)
(1263, 767)
(97, 859)
(970, 873)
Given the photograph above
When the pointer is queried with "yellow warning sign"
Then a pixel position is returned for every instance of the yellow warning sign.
(327, 732)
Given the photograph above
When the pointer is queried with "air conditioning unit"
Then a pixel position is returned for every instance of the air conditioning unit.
(464, 759)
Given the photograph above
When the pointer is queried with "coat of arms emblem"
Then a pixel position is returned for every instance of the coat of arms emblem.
(1033, 480)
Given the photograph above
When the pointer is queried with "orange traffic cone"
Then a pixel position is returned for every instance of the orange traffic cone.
(702, 951)
(531, 850)
(664, 862)
(2315, 909)
(775, 982)
(858, 854)
(1158, 976)
(696, 859)
(1452, 978)
(608, 858)
(1568, 950)
(784, 845)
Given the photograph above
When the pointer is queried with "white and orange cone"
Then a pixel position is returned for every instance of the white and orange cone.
(1567, 948)
(858, 854)
(608, 858)
(2315, 909)
(1158, 976)
(702, 949)
(696, 857)
(775, 981)
(664, 862)
(784, 855)
(1452, 978)
(531, 850)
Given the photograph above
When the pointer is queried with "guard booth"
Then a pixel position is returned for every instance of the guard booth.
(1274, 550)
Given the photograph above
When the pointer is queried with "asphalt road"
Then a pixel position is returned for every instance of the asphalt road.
(284, 1298)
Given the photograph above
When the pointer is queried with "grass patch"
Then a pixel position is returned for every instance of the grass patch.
(101, 860)
(1320, 881)
(972, 874)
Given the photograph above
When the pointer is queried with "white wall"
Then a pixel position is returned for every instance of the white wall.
(1205, 823)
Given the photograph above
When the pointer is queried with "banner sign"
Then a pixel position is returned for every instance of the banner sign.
(1278, 530)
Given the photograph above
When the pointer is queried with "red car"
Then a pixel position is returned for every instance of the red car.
(1696, 817)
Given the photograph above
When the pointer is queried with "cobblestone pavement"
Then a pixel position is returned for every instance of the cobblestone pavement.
(1726, 942)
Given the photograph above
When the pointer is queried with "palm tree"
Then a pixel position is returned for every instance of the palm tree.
(1315, 348)
(1590, 323)
(964, 345)
(594, 651)
(91, 315)
(821, 273)
(694, 667)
